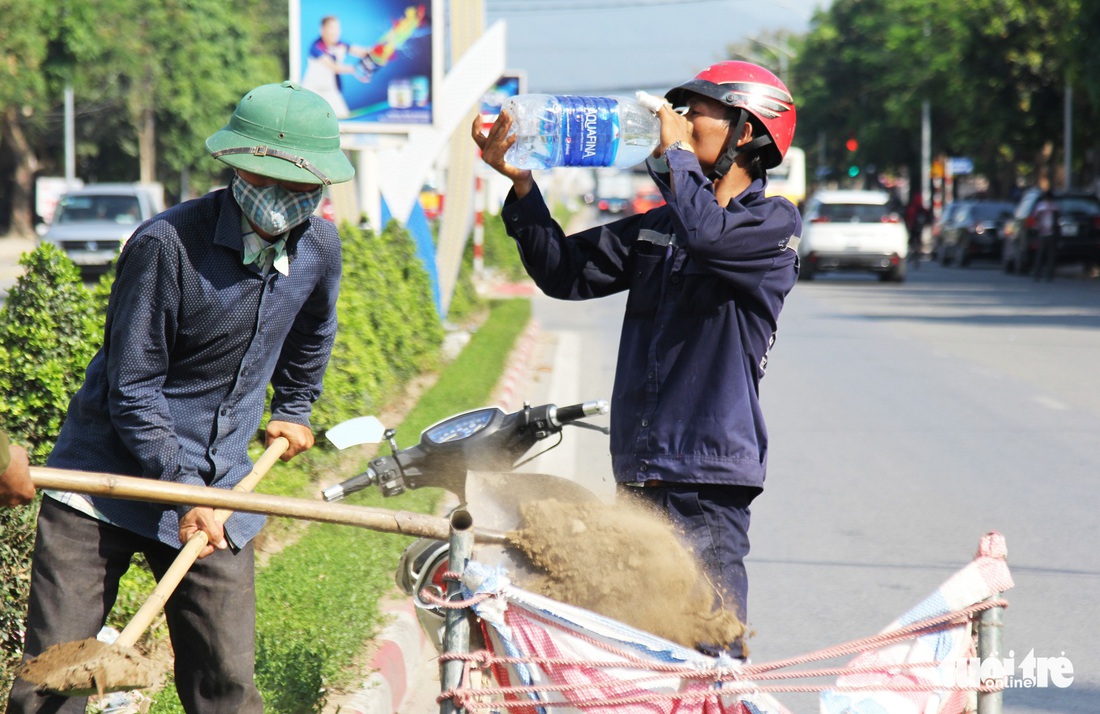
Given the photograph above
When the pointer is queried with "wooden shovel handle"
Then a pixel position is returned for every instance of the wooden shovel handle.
(190, 552)
(134, 488)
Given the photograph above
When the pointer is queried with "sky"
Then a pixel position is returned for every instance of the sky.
(618, 46)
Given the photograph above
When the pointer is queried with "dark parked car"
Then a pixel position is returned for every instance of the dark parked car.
(975, 231)
(943, 221)
(1078, 228)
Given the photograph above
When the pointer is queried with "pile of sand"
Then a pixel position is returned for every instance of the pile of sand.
(624, 563)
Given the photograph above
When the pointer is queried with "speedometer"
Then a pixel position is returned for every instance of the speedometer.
(459, 427)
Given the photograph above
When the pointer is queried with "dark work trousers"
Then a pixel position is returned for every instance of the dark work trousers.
(1046, 258)
(211, 616)
(714, 521)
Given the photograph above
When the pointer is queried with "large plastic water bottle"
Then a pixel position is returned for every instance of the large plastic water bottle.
(579, 131)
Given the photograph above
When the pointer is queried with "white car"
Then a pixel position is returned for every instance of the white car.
(853, 230)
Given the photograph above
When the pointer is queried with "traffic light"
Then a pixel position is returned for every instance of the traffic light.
(852, 145)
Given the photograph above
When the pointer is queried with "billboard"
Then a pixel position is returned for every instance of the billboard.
(510, 84)
(377, 62)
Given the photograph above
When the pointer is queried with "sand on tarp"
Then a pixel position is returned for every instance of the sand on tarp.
(88, 667)
(624, 562)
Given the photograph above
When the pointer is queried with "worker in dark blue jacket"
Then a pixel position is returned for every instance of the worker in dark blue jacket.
(707, 275)
(214, 300)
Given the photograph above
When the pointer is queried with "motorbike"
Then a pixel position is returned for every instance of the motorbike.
(473, 455)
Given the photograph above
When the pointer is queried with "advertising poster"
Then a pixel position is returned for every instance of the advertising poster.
(372, 60)
(509, 85)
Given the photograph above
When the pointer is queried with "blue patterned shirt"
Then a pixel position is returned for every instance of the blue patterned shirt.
(193, 337)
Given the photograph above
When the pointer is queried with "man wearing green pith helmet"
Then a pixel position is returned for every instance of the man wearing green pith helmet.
(214, 299)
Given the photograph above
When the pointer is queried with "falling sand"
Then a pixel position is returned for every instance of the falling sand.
(87, 667)
(624, 563)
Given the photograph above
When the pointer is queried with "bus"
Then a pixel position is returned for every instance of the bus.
(789, 178)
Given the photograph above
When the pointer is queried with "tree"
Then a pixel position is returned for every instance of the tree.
(24, 41)
(993, 71)
(152, 79)
(173, 69)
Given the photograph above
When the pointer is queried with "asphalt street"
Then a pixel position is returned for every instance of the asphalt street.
(905, 422)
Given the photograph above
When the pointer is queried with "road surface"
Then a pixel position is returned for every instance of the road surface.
(905, 422)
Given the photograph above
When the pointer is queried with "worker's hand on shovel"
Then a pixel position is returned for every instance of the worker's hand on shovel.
(300, 437)
(202, 518)
(16, 488)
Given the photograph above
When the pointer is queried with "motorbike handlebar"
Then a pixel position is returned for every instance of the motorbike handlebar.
(350, 486)
(561, 416)
(406, 467)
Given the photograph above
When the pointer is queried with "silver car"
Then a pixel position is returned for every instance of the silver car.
(91, 224)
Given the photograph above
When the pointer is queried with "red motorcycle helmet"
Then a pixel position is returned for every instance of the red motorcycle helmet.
(757, 92)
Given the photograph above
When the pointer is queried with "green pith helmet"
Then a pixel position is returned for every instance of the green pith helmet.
(285, 132)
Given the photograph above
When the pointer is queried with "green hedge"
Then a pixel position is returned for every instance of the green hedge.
(389, 327)
(49, 328)
(499, 250)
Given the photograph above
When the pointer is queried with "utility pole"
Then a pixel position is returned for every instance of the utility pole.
(926, 154)
(70, 137)
(1067, 139)
(926, 144)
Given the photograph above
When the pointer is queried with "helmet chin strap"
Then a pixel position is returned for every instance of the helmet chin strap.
(729, 156)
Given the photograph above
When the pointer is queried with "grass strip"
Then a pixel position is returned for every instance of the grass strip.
(319, 600)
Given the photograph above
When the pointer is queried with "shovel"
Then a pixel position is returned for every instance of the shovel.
(78, 671)
(86, 667)
(142, 489)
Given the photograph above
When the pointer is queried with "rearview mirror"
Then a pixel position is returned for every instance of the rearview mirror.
(353, 432)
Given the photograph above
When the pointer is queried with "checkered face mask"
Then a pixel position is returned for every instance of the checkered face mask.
(273, 209)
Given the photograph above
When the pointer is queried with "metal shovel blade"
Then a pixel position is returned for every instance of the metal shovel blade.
(353, 432)
(495, 498)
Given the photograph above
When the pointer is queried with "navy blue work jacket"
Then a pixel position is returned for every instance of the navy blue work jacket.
(706, 285)
(193, 337)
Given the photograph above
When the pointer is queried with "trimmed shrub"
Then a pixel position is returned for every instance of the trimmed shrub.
(501, 252)
(49, 329)
(389, 330)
